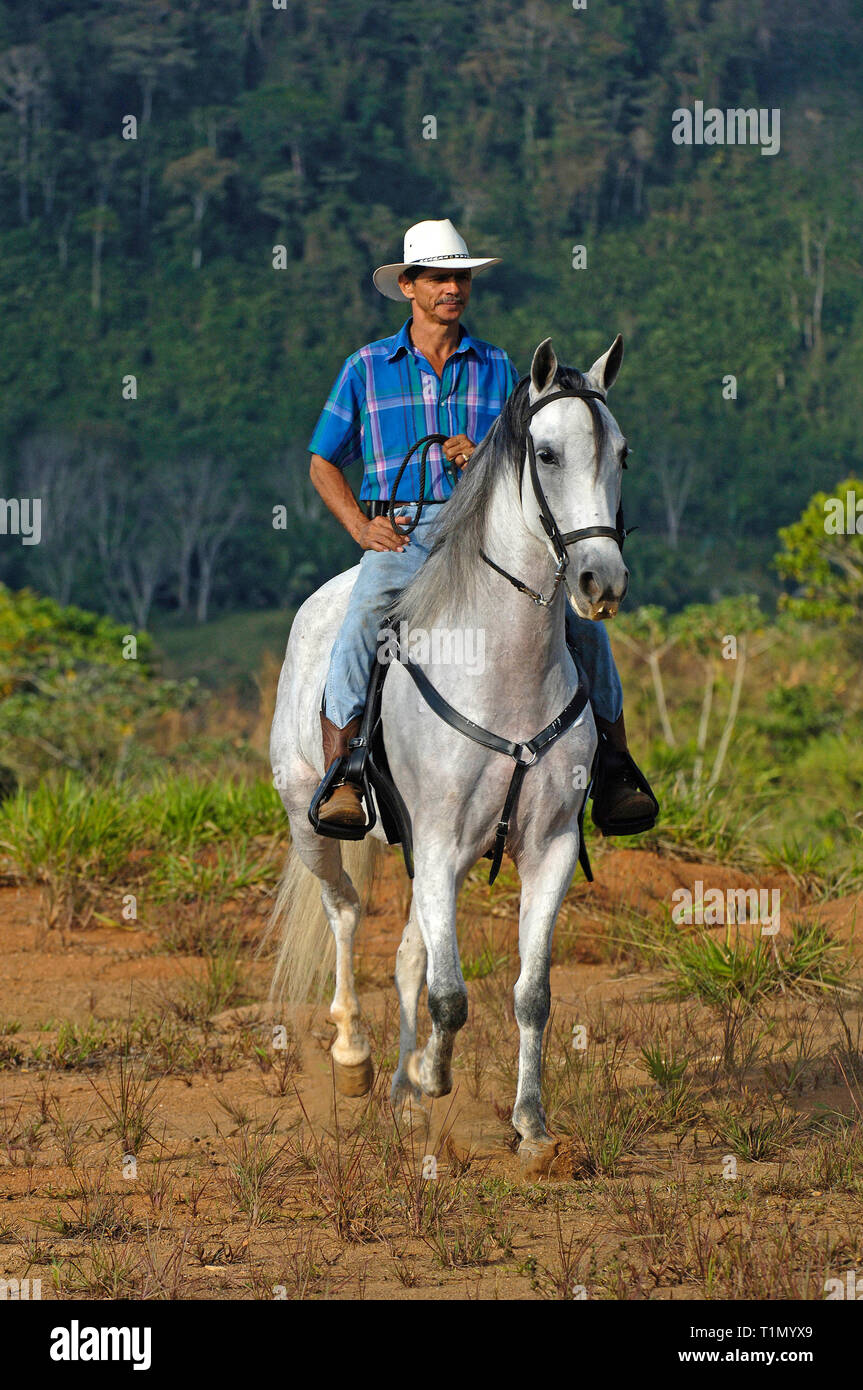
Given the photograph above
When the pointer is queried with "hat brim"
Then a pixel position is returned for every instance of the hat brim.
(386, 277)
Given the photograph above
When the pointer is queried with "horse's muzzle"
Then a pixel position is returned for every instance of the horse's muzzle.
(599, 588)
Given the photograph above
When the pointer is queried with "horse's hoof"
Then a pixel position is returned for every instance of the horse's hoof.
(354, 1080)
(536, 1156)
(434, 1089)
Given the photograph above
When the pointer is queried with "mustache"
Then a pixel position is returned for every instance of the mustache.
(451, 299)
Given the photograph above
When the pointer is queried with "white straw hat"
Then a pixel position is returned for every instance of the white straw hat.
(433, 244)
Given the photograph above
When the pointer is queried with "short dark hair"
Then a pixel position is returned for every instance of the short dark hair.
(411, 272)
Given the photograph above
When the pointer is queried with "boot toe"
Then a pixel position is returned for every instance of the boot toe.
(624, 809)
(344, 806)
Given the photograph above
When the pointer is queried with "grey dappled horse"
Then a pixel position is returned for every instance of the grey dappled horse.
(454, 788)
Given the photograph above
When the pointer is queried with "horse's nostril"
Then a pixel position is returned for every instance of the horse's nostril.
(588, 584)
(625, 586)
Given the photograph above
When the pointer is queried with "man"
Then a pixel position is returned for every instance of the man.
(432, 377)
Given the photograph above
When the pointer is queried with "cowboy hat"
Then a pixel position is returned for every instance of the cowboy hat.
(433, 244)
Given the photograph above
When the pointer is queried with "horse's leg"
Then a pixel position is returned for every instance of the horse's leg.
(350, 1051)
(410, 977)
(434, 900)
(543, 885)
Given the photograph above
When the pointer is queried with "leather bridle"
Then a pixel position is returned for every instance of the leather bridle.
(559, 539)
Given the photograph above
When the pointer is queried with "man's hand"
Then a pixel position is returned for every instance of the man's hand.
(458, 449)
(379, 534)
(330, 484)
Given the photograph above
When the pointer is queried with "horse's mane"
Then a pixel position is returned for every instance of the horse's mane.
(454, 560)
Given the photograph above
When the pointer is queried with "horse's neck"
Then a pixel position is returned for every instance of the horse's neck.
(523, 642)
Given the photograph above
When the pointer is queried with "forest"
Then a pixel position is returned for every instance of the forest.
(193, 197)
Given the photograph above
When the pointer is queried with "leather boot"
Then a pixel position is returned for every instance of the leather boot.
(623, 803)
(344, 805)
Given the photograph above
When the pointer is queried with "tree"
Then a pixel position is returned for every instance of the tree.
(198, 496)
(201, 177)
(135, 539)
(51, 469)
(100, 220)
(24, 77)
(647, 633)
(824, 555)
(717, 634)
(145, 41)
(218, 518)
(676, 476)
(147, 552)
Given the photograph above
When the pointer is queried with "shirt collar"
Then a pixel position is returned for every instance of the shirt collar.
(401, 343)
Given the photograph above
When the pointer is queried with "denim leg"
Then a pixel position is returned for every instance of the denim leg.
(383, 574)
(591, 641)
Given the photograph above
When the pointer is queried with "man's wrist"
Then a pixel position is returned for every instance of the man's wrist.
(356, 525)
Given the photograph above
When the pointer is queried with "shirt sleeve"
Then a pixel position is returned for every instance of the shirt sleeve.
(512, 375)
(337, 436)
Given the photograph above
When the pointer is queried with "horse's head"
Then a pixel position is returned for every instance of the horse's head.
(579, 452)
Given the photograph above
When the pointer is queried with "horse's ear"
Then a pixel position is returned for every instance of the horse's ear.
(604, 370)
(543, 367)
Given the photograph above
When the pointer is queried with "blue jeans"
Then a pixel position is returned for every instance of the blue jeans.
(383, 574)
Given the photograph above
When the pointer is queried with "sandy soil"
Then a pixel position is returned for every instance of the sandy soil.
(179, 1227)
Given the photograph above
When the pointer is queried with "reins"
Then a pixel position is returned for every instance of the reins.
(427, 441)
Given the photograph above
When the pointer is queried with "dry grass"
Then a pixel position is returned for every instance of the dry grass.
(252, 1179)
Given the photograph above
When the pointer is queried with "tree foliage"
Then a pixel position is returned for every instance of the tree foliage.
(69, 697)
(824, 556)
(303, 128)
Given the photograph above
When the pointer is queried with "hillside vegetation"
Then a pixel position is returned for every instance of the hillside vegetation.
(304, 128)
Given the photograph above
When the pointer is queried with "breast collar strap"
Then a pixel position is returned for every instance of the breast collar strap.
(524, 755)
(559, 539)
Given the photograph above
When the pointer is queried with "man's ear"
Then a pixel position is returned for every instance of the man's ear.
(406, 286)
(543, 367)
(604, 370)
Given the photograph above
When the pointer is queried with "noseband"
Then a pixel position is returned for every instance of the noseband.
(559, 539)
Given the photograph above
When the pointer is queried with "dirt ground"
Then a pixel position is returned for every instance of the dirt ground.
(149, 1148)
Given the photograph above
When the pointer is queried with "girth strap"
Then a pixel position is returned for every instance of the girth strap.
(534, 746)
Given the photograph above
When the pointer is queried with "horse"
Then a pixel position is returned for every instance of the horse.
(552, 458)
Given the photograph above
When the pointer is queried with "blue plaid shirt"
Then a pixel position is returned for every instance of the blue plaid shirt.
(387, 396)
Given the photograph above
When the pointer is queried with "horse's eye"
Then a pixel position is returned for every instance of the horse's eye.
(546, 456)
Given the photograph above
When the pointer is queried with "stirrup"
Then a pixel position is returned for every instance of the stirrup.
(634, 825)
(349, 768)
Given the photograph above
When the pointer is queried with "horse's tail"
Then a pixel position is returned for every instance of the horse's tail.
(306, 954)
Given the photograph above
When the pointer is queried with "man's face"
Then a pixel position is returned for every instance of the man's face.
(440, 295)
